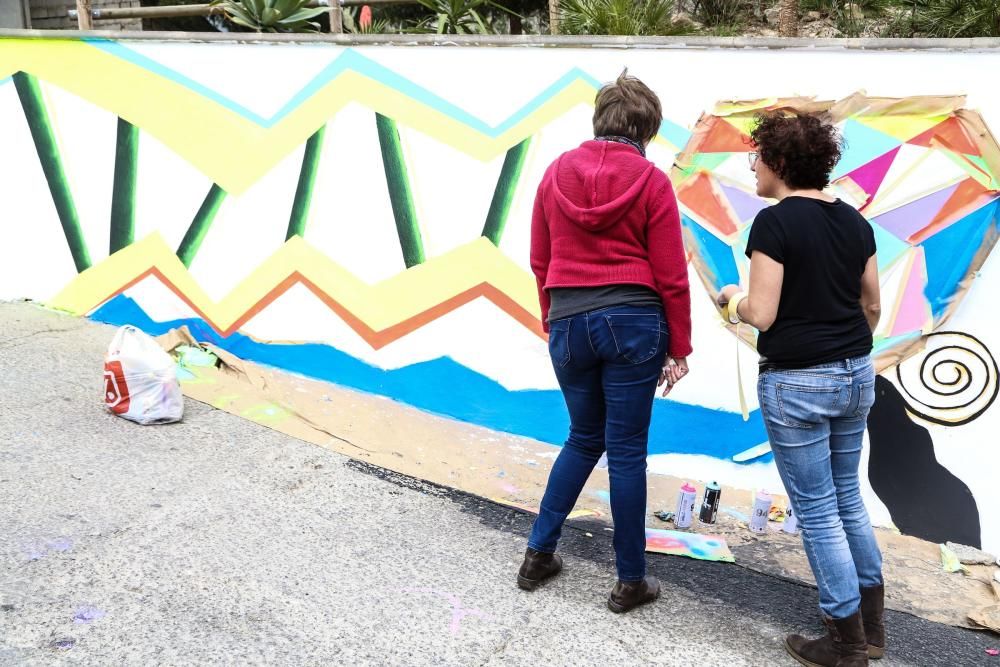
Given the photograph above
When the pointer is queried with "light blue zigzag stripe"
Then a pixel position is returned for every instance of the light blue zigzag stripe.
(5, 80)
(352, 60)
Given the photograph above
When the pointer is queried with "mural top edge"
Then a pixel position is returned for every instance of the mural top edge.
(537, 41)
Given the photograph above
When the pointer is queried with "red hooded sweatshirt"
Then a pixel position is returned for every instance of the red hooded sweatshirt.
(605, 215)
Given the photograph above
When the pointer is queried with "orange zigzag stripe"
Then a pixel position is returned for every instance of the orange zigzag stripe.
(377, 339)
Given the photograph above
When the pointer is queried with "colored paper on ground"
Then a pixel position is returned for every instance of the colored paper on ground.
(691, 545)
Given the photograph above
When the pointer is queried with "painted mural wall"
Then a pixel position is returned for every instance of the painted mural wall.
(361, 215)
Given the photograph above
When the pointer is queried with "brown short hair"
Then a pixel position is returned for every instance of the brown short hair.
(801, 149)
(627, 108)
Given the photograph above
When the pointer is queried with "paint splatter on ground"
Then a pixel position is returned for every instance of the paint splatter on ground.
(88, 614)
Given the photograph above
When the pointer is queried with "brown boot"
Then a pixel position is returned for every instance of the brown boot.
(630, 594)
(845, 646)
(872, 611)
(537, 567)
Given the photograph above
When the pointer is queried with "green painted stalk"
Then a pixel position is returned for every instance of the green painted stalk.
(123, 190)
(503, 196)
(47, 149)
(199, 226)
(307, 182)
(400, 195)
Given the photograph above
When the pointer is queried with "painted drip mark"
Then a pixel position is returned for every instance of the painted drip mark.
(458, 612)
(88, 614)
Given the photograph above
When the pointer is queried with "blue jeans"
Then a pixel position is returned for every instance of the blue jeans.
(608, 363)
(815, 420)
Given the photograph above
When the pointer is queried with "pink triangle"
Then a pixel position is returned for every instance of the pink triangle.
(913, 309)
(870, 175)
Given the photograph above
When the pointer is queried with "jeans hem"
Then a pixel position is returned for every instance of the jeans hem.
(540, 549)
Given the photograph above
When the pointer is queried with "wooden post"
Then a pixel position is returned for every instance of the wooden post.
(83, 18)
(336, 17)
(553, 17)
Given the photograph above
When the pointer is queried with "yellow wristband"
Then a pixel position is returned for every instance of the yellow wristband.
(732, 308)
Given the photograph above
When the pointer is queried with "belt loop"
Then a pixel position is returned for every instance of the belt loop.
(847, 362)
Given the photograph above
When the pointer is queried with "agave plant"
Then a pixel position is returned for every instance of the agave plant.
(618, 17)
(272, 15)
(458, 17)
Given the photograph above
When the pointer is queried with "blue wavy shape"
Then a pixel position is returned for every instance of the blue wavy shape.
(431, 386)
(351, 60)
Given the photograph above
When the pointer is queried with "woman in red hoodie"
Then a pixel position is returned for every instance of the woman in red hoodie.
(607, 253)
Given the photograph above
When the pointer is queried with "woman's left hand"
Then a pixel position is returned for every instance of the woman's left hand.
(725, 294)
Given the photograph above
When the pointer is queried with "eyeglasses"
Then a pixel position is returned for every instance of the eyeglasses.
(753, 157)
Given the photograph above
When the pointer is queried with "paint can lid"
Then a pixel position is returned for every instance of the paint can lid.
(688, 488)
(714, 486)
(763, 495)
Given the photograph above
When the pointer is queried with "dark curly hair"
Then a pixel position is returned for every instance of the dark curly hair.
(800, 148)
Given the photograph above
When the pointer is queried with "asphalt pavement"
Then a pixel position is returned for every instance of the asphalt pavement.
(219, 541)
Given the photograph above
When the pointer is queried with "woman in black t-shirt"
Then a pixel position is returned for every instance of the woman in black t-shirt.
(814, 297)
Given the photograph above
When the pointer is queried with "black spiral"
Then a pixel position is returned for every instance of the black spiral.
(956, 380)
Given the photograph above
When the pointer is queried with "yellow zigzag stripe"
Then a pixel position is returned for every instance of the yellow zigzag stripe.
(228, 148)
(380, 312)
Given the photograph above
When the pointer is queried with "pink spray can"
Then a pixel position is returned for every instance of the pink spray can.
(685, 506)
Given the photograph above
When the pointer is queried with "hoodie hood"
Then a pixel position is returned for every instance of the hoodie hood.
(597, 184)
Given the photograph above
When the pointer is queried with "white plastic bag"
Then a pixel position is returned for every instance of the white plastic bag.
(140, 382)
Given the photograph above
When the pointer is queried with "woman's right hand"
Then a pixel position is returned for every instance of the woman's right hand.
(673, 372)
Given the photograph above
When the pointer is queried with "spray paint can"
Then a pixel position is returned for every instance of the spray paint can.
(685, 506)
(710, 505)
(791, 523)
(761, 509)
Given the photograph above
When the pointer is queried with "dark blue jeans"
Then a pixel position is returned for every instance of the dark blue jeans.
(608, 363)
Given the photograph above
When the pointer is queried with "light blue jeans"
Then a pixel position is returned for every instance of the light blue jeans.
(815, 419)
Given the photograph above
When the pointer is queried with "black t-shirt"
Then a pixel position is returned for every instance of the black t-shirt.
(824, 247)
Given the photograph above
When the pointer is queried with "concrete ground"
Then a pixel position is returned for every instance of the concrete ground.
(218, 541)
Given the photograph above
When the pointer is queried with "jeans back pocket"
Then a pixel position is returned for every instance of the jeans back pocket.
(636, 335)
(559, 342)
(866, 398)
(804, 406)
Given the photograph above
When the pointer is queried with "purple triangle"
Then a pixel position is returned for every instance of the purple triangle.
(746, 206)
(870, 175)
(907, 220)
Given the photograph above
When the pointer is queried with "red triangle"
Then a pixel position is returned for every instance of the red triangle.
(967, 197)
(703, 200)
(719, 136)
(950, 133)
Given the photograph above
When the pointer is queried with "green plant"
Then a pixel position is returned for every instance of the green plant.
(714, 13)
(618, 17)
(949, 18)
(458, 17)
(272, 15)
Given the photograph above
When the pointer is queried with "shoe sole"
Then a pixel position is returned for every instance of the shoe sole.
(621, 609)
(799, 658)
(526, 584)
(876, 652)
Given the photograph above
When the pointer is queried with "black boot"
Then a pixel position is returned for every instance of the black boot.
(872, 613)
(844, 646)
(630, 594)
(536, 568)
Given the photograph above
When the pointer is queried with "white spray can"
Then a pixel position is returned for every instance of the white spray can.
(791, 523)
(761, 508)
(685, 506)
